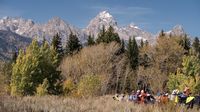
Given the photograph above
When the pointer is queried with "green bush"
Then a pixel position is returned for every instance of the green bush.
(175, 81)
(188, 75)
(179, 81)
(89, 85)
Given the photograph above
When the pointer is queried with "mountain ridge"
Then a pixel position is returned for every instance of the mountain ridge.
(31, 29)
(23, 29)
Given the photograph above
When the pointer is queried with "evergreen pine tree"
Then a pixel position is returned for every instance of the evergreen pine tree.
(101, 35)
(44, 40)
(141, 43)
(108, 36)
(133, 53)
(14, 57)
(73, 44)
(196, 45)
(162, 33)
(111, 36)
(185, 43)
(122, 46)
(57, 45)
(146, 43)
(90, 40)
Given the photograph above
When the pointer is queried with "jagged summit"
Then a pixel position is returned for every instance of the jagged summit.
(104, 14)
(180, 27)
(177, 30)
(55, 19)
(133, 25)
(104, 18)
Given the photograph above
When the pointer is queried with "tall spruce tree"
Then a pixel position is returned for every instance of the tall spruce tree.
(90, 40)
(185, 43)
(73, 44)
(141, 43)
(108, 36)
(146, 43)
(111, 36)
(122, 46)
(162, 33)
(43, 40)
(48, 66)
(196, 46)
(14, 57)
(101, 35)
(57, 45)
(133, 53)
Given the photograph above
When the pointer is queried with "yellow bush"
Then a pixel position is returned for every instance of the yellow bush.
(68, 86)
(42, 88)
(89, 85)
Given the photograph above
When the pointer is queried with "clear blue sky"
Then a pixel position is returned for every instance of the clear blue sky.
(151, 15)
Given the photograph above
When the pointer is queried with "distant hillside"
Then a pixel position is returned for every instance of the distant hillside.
(11, 42)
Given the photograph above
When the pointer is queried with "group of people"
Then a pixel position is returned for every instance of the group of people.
(140, 97)
(145, 97)
(185, 98)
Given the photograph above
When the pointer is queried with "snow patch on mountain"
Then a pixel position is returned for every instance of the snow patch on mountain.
(105, 15)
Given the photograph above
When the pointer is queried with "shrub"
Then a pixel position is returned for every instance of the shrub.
(68, 86)
(42, 88)
(179, 81)
(89, 85)
(175, 81)
(188, 75)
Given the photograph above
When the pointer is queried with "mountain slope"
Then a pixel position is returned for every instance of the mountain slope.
(10, 42)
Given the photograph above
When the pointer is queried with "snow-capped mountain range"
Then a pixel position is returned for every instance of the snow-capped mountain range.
(27, 28)
(30, 29)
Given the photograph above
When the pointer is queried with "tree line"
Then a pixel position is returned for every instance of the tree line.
(173, 60)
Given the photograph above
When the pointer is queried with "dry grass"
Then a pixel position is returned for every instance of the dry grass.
(63, 104)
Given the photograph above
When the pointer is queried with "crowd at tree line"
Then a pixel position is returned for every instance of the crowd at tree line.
(35, 70)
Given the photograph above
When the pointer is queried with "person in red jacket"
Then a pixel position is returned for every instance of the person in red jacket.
(142, 97)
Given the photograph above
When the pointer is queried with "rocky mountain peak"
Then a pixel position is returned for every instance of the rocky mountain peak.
(104, 15)
(178, 29)
(104, 18)
(57, 21)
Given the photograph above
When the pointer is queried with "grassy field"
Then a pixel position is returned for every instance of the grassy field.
(66, 104)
